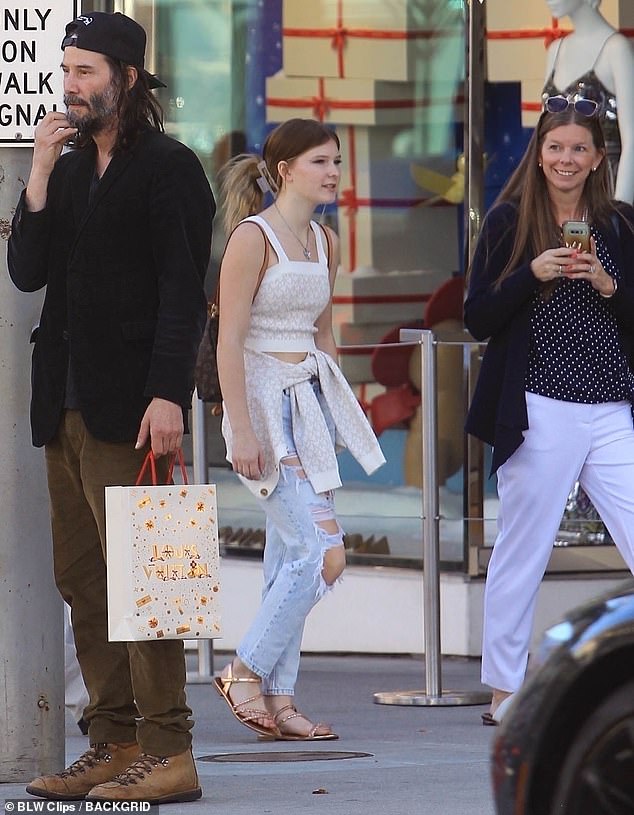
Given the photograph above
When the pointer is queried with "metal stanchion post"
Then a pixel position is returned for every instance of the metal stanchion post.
(433, 695)
(205, 671)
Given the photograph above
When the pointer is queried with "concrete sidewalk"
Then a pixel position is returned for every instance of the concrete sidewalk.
(423, 760)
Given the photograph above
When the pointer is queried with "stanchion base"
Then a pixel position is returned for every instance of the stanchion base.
(445, 699)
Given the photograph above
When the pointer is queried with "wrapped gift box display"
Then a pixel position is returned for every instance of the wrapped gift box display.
(385, 220)
(356, 342)
(345, 38)
(388, 237)
(341, 101)
(371, 297)
(516, 49)
(369, 303)
(361, 333)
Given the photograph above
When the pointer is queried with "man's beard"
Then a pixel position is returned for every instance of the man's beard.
(100, 111)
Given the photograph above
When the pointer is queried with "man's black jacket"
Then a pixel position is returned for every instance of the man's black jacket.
(124, 284)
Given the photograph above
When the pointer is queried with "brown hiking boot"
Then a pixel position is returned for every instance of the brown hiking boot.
(167, 780)
(101, 763)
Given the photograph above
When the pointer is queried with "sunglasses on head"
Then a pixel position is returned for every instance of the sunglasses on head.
(557, 104)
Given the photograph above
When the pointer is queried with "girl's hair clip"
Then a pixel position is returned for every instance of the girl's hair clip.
(263, 184)
(266, 182)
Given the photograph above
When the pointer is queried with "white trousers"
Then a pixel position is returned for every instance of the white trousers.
(565, 442)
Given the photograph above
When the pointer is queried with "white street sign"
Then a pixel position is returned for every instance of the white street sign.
(31, 33)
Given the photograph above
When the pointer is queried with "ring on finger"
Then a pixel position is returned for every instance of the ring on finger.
(560, 269)
(592, 268)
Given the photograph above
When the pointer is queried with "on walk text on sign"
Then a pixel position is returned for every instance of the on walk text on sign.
(31, 33)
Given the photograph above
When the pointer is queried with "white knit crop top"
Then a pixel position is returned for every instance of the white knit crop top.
(292, 295)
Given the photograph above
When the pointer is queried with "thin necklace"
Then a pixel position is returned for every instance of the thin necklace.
(304, 246)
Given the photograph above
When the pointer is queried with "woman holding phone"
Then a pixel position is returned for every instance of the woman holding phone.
(555, 391)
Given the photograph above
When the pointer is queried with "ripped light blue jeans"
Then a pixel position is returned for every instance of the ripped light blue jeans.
(293, 562)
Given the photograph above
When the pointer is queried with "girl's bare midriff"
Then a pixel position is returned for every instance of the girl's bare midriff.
(289, 356)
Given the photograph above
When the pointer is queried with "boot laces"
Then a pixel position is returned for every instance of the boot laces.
(88, 760)
(137, 771)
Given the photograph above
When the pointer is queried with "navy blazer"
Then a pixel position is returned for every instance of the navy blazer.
(498, 414)
(124, 284)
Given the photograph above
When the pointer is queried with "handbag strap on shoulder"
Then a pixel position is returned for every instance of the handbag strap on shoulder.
(213, 306)
(326, 232)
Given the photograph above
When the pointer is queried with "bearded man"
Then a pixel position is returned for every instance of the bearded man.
(118, 229)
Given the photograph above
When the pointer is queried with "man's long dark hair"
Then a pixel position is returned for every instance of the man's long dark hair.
(137, 108)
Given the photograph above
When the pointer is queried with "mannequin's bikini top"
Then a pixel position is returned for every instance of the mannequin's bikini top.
(587, 86)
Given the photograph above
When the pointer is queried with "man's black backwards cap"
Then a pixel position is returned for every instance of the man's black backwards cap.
(114, 35)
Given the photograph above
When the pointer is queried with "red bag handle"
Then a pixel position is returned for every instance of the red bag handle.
(151, 461)
(181, 463)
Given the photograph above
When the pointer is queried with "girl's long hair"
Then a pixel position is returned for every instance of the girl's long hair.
(241, 195)
(536, 229)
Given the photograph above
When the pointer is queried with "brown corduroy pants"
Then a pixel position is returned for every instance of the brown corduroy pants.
(136, 689)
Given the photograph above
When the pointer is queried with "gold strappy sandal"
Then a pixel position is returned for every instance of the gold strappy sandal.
(250, 717)
(281, 717)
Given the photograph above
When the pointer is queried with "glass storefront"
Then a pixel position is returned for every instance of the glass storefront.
(389, 76)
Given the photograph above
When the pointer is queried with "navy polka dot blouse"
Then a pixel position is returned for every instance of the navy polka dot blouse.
(575, 354)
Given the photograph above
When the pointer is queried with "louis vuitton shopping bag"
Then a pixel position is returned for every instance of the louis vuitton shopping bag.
(163, 561)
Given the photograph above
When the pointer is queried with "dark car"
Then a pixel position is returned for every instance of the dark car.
(566, 745)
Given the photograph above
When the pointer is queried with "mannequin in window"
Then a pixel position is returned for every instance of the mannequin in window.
(597, 62)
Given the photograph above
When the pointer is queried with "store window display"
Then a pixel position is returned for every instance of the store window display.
(596, 62)
(231, 67)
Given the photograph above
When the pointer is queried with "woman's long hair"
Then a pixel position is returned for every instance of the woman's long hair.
(240, 191)
(137, 108)
(536, 229)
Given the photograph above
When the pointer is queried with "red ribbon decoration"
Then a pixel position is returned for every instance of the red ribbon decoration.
(321, 105)
(350, 202)
(549, 34)
(348, 199)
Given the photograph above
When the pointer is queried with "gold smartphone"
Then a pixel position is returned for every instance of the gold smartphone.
(577, 235)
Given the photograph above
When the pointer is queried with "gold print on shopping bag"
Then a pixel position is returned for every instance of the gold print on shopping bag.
(175, 563)
(174, 539)
(160, 573)
(169, 552)
(197, 569)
